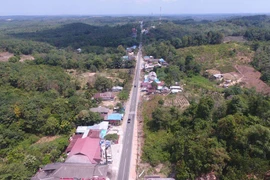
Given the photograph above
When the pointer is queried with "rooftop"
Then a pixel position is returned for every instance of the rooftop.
(100, 109)
(115, 116)
(85, 150)
(57, 171)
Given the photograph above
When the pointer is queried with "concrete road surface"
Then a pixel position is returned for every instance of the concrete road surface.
(124, 168)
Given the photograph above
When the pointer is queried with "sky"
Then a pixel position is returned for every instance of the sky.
(131, 7)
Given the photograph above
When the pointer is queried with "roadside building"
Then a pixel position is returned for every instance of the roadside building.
(107, 96)
(114, 118)
(68, 171)
(117, 88)
(86, 150)
(101, 110)
(146, 58)
(89, 130)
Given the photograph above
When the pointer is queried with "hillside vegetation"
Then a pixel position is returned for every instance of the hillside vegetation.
(222, 56)
(227, 136)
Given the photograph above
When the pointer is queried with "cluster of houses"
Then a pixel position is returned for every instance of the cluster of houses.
(152, 85)
(150, 63)
(114, 118)
(130, 54)
(88, 153)
(226, 80)
(86, 156)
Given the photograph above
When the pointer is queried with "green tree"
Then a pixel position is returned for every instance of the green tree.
(103, 84)
(14, 59)
(205, 107)
(87, 118)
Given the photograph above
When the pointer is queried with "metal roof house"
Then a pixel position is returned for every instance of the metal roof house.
(68, 171)
(85, 150)
(101, 110)
(117, 88)
(86, 129)
(107, 96)
(114, 118)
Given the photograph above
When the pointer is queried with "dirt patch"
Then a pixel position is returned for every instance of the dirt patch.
(26, 57)
(4, 56)
(46, 139)
(176, 101)
(251, 78)
(212, 71)
(109, 104)
(232, 76)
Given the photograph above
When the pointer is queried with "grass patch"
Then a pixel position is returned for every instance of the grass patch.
(222, 56)
(199, 82)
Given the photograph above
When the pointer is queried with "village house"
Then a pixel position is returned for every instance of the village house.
(85, 150)
(163, 62)
(146, 58)
(114, 118)
(84, 157)
(68, 171)
(101, 128)
(129, 57)
(176, 89)
(147, 86)
(107, 96)
(101, 110)
(117, 88)
(218, 76)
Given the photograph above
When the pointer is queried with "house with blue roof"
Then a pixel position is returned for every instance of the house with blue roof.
(114, 118)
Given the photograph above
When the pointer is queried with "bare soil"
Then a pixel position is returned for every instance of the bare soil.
(46, 139)
(177, 101)
(4, 56)
(251, 78)
(26, 57)
(213, 71)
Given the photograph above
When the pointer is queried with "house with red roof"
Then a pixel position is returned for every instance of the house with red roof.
(85, 150)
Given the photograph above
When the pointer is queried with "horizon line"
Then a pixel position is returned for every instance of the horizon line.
(184, 14)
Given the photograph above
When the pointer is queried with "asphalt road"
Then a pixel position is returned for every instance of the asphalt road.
(124, 168)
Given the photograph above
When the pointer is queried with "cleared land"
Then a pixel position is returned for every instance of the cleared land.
(222, 57)
(251, 78)
(4, 56)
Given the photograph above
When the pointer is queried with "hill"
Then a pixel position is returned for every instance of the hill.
(221, 56)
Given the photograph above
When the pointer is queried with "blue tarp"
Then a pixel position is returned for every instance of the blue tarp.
(102, 133)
